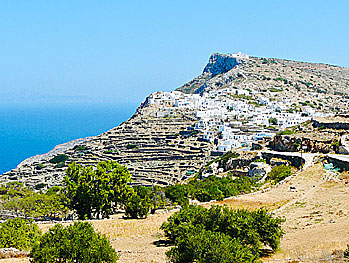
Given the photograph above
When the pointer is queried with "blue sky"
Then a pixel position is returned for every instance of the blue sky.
(120, 51)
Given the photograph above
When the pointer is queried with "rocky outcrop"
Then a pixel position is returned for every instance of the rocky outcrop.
(220, 63)
(289, 143)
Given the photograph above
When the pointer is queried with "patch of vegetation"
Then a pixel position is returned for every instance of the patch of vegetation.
(131, 146)
(18, 233)
(209, 188)
(221, 234)
(39, 166)
(279, 173)
(96, 192)
(346, 252)
(29, 204)
(75, 243)
(286, 132)
(59, 158)
(80, 147)
(273, 121)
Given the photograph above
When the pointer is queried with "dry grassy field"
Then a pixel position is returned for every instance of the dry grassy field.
(316, 213)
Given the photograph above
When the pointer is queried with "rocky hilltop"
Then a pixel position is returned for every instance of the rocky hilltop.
(162, 143)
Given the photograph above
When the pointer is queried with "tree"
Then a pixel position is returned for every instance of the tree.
(18, 233)
(75, 243)
(96, 192)
(139, 203)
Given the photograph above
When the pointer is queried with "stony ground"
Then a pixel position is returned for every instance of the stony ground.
(316, 213)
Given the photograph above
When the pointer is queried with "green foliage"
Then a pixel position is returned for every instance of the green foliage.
(30, 204)
(131, 146)
(75, 243)
(217, 188)
(209, 188)
(96, 192)
(39, 166)
(139, 203)
(206, 246)
(80, 148)
(273, 121)
(260, 161)
(228, 155)
(18, 233)
(286, 132)
(59, 159)
(251, 230)
(178, 194)
(279, 173)
(346, 252)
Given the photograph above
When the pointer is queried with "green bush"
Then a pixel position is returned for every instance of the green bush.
(80, 148)
(279, 173)
(39, 166)
(178, 194)
(131, 146)
(251, 229)
(139, 203)
(346, 252)
(59, 158)
(207, 246)
(286, 132)
(75, 243)
(18, 233)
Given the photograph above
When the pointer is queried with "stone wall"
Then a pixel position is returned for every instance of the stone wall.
(295, 161)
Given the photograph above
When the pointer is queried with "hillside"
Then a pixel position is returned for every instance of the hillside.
(158, 144)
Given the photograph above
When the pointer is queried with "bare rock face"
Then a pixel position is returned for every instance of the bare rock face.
(219, 63)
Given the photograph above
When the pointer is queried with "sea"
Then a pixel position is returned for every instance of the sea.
(28, 130)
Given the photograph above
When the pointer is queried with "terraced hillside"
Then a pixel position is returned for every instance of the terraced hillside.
(151, 148)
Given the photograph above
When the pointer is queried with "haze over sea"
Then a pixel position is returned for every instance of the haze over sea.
(27, 130)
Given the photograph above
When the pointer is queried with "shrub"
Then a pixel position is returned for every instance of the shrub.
(59, 158)
(131, 146)
(252, 230)
(178, 194)
(286, 132)
(75, 243)
(139, 203)
(39, 166)
(346, 252)
(80, 148)
(207, 246)
(279, 173)
(18, 233)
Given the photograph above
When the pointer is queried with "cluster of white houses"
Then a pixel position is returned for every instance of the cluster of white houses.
(224, 113)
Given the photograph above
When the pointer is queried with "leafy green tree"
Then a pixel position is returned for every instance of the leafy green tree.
(139, 203)
(96, 192)
(18, 233)
(75, 243)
